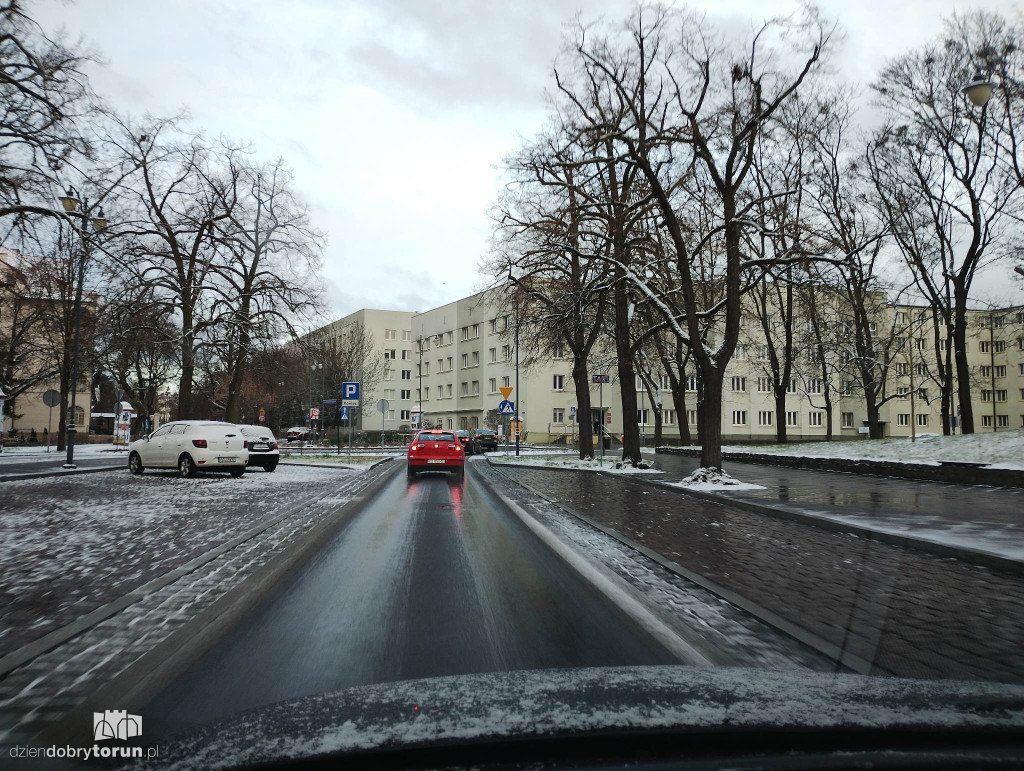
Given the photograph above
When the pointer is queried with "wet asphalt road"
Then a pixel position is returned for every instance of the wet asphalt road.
(433, 577)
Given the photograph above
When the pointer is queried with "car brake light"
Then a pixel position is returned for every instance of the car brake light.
(199, 442)
(273, 445)
(245, 443)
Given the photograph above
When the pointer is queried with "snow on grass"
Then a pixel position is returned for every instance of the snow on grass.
(566, 460)
(28, 454)
(1002, 449)
(714, 479)
(355, 461)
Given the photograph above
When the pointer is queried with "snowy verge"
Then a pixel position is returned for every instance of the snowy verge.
(1002, 449)
(613, 465)
(714, 479)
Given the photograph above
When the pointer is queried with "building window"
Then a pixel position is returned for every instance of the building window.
(390, 334)
(921, 370)
(464, 388)
(986, 421)
(1000, 370)
(389, 353)
(440, 365)
(903, 391)
(492, 385)
(765, 418)
(465, 360)
(903, 419)
(406, 393)
(405, 415)
(451, 363)
(506, 352)
(740, 353)
(558, 415)
(847, 420)
(997, 346)
(426, 368)
(474, 359)
(389, 374)
(922, 419)
(450, 423)
(406, 335)
(668, 417)
(493, 354)
(426, 392)
(814, 386)
(505, 381)
(764, 385)
(476, 387)
(494, 325)
(986, 395)
(792, 418)
(762, 353)
(448, 338)
(739, 417)
(846, 388)
(691, 382)
(389, 393)
(558, 382)
(814, 418)
(792, 387)
(919, 343)
(739, 384)
(691, 417)
(902, 369)
(474, 422)
(475, 331)
(558, 352)
(641, 417)
(448, 390)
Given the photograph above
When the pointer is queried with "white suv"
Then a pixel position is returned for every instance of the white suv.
(191, 446)
(262, 446)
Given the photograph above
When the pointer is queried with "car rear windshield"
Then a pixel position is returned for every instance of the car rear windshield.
(436, 438)
(486, 432)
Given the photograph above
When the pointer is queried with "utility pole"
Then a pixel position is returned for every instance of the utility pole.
(518, 394)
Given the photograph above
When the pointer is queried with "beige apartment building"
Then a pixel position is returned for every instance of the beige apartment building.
(462, 353)
(28, 414)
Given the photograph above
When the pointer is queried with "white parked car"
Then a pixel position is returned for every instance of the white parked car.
(191, 446)
(262, 447)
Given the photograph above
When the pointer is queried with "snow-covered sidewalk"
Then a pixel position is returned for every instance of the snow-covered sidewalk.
(1002, 449)
(549, 459)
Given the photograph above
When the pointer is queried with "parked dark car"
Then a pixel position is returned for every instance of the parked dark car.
(466, 440)
(484, 440)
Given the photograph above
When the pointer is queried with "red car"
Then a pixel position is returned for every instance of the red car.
(436, 450)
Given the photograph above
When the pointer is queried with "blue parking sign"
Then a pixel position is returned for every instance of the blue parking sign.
(350, 394)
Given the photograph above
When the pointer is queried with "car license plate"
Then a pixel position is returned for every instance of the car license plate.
(259, 446)
(435, 460)
(229, 459)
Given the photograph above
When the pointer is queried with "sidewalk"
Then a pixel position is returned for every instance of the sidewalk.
(902, 611)
(983, 518)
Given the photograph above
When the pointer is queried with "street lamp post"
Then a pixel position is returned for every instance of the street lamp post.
(81, 209)
(312, 366)
(519, 395)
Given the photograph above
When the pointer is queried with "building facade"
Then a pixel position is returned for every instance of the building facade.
(447, 366)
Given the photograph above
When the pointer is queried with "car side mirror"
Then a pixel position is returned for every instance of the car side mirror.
(146, 437)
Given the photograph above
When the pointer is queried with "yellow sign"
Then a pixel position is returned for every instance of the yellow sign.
(505, 391)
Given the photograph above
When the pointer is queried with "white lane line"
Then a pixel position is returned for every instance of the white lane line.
(614, 588)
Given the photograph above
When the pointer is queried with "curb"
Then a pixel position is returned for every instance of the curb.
(51, 640)
(61, 473)
(772, 619)
(978, 557)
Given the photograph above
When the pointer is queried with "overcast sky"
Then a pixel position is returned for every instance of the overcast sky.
(394, 115)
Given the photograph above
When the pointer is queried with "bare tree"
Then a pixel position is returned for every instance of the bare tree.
(45, 97)
(684, 103)
(944, 179)
(268, 277)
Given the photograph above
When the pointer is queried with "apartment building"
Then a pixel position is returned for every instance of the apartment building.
(390, 333)
(28, 318)
(449, 363)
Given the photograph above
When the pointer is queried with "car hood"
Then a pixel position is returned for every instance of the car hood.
(449, 711)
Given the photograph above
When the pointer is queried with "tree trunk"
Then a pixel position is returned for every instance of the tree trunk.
(874, 427)
(709, 412)
(237, 375)
(627, 375)
(963, 370)
(581, 379)
(780, 415)
(679, 400)
(188, 367)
